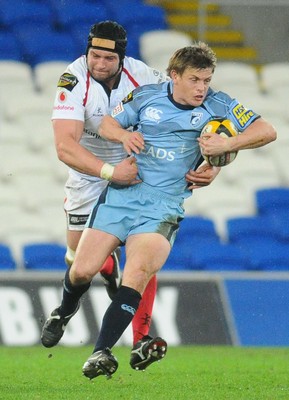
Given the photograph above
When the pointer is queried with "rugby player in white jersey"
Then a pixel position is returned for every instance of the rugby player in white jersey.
(89, 89)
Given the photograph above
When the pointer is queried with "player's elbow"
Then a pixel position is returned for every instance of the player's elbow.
(61, 151)
(272, 134)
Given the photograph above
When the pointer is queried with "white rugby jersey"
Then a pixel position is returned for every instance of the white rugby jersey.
(80, 97)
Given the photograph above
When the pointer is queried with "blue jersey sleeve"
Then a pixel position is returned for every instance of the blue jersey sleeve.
(127, 112)
(241, 116)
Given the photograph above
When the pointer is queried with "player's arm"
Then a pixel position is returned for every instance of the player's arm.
(257, 134)
(112, 130)
(67, 134)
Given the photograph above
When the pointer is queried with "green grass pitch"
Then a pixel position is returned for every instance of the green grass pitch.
(186, 373)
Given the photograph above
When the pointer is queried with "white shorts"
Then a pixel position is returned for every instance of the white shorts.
(80, 195)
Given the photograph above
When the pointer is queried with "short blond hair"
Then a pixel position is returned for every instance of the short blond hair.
(199, 55)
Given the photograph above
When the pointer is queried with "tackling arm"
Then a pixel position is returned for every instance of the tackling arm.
(67, 134)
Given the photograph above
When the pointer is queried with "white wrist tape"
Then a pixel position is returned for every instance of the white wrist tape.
(106, 171)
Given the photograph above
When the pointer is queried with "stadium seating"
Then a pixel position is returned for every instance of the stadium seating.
(51, 45)
(272, 200)
(245, 229)
(79, 12)
(197, 227)
(25, 14)
(46, 75)
(275, 79)
(238, 79)
(219, 257)
(7, 261)
(266, 256)
(44, 256)
(157, 46)
(13, 51)
(180, 258)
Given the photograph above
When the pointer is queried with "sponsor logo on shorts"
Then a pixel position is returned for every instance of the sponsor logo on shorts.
(77, 219)
(67, 81)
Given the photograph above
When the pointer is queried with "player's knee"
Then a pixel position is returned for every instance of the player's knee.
(79, 274)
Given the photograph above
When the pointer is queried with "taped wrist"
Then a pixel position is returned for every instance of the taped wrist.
(106, 171)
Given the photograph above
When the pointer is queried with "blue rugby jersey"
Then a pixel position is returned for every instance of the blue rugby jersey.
(170, 131)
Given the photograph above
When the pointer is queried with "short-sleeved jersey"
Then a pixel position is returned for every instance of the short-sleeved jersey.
(171, 130)
(80, 97)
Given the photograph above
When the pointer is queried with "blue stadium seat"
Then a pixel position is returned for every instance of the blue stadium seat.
(179, 258)
(269, 256)
(244, 229)
(10, 48)
(44, 256)
(138, 15)
(7, 261)
(133, 45)
(219, 257)
(16, 17)
(58, 46)
(272, 200)
(79, 12)
(194, 233)
(196, 227)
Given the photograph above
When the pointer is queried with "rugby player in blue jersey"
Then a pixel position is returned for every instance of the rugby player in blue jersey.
(169, 118)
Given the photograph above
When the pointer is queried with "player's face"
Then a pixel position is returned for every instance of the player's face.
(192, 86)
(103, 65)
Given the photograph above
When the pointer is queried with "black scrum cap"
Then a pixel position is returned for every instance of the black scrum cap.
(108, 35)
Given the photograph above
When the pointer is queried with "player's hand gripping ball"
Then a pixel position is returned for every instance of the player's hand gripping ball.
(226, 129)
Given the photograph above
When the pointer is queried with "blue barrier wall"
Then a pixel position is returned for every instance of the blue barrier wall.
(260, 309)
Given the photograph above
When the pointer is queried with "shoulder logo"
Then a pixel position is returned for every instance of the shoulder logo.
(242, 114)
(67, 81)
(153, 114)
(128, 98)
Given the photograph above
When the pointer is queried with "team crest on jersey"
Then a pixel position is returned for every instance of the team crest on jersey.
(196, 118)
(117, 110)
(128, 98)
(67, 81)
(242, 114)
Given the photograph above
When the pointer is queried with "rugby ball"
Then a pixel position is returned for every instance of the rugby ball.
(226, 129)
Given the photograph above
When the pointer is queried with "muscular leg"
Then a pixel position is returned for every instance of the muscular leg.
(142, 319)
(140, 266)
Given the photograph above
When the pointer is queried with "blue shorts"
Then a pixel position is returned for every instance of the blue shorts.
(125, 211)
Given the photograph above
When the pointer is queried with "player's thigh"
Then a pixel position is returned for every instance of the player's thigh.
(146, 253)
